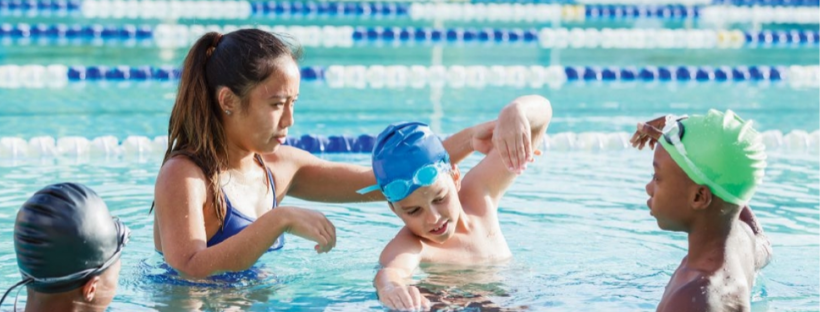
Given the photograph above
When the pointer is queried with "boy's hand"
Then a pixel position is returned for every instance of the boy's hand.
(482, 140)
(649, 131)
(403, 298)
(513, 139)
(311, 225)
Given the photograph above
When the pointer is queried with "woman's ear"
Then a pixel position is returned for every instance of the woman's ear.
(228, 101)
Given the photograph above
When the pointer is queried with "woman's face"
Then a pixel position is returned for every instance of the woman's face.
(263, 125)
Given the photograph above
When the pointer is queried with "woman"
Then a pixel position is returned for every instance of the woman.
(226, 170)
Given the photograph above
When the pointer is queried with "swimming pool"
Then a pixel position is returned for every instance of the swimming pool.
(576, 221)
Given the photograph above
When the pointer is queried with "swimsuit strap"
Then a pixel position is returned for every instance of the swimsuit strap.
(270, 177)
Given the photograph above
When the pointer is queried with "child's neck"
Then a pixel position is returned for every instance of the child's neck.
(708, 238)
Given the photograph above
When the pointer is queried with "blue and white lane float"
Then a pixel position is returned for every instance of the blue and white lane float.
(182, 36)
(683, 2)
(509, 12)
(399, 76)
(798, 141)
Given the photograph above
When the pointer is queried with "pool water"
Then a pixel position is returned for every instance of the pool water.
(576, 221)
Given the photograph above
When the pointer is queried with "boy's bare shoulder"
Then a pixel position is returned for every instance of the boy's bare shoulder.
(404, 243)
(707, 292)
(477, 205)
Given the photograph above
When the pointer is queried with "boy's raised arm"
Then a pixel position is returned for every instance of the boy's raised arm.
(520, 127)
(398, 261)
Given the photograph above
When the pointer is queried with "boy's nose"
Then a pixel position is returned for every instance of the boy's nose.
(433, 216)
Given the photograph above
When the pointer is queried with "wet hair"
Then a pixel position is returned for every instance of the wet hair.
(239, 61)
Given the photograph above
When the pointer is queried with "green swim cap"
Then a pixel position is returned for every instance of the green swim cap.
(719, 150)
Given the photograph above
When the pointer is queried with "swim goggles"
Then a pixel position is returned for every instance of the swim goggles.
(123, 234)
(398, 189)
(673, 134)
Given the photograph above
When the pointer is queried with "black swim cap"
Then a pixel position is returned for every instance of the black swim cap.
(63, 236)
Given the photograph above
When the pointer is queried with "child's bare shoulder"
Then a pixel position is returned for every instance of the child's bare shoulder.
(475, 203)
(405, 243)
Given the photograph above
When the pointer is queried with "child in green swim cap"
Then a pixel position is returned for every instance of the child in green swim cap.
(705, 173)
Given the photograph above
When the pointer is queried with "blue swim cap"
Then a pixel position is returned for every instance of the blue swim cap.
(406, 156)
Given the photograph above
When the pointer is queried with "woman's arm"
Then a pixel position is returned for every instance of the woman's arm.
(320, 180)
(180, 194)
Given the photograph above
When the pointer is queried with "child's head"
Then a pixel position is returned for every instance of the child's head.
(68, 246)
(704, 160)
(414, 173)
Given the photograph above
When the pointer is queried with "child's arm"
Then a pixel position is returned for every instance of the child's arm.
(398, 261)
(520, 126)
(763, 248)
(463, 143)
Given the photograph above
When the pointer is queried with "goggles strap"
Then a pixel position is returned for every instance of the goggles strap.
(20, 283)
(368, 189)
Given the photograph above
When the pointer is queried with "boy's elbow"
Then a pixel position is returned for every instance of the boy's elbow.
(763, 252)
(544, 107)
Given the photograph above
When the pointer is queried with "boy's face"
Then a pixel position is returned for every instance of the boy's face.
(669, 193)
(431, 212)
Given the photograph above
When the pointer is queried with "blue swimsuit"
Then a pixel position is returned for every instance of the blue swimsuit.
(236, 221)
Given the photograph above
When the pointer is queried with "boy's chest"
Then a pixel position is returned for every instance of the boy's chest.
(481, 245)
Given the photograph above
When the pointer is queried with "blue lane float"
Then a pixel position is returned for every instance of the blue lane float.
(329, 8)
(807, 3)
(175, 36)
(625, 8)
(400, 76)
(542, 11)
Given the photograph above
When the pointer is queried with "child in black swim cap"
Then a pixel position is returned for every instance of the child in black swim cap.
(68, 249)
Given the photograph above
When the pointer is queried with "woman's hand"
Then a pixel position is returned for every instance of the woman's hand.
(648, 132)
(512, 137)
(403, 298)
(311, 225)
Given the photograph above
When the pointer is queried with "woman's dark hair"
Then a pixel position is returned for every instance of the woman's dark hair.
(239, 61)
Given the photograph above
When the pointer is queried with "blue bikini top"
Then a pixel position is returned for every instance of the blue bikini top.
(236, 221)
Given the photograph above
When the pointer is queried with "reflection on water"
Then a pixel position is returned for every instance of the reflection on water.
(468, 288)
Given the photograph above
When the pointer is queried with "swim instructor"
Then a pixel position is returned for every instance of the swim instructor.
(226, 169)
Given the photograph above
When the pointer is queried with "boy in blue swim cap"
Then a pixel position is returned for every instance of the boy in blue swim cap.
(68, 250)
(705, 172)
(447, 219)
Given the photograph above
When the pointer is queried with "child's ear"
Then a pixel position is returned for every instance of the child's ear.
(702, 198)
(89, 289)
(456, 176)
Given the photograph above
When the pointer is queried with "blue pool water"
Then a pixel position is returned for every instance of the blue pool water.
(576, 221)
